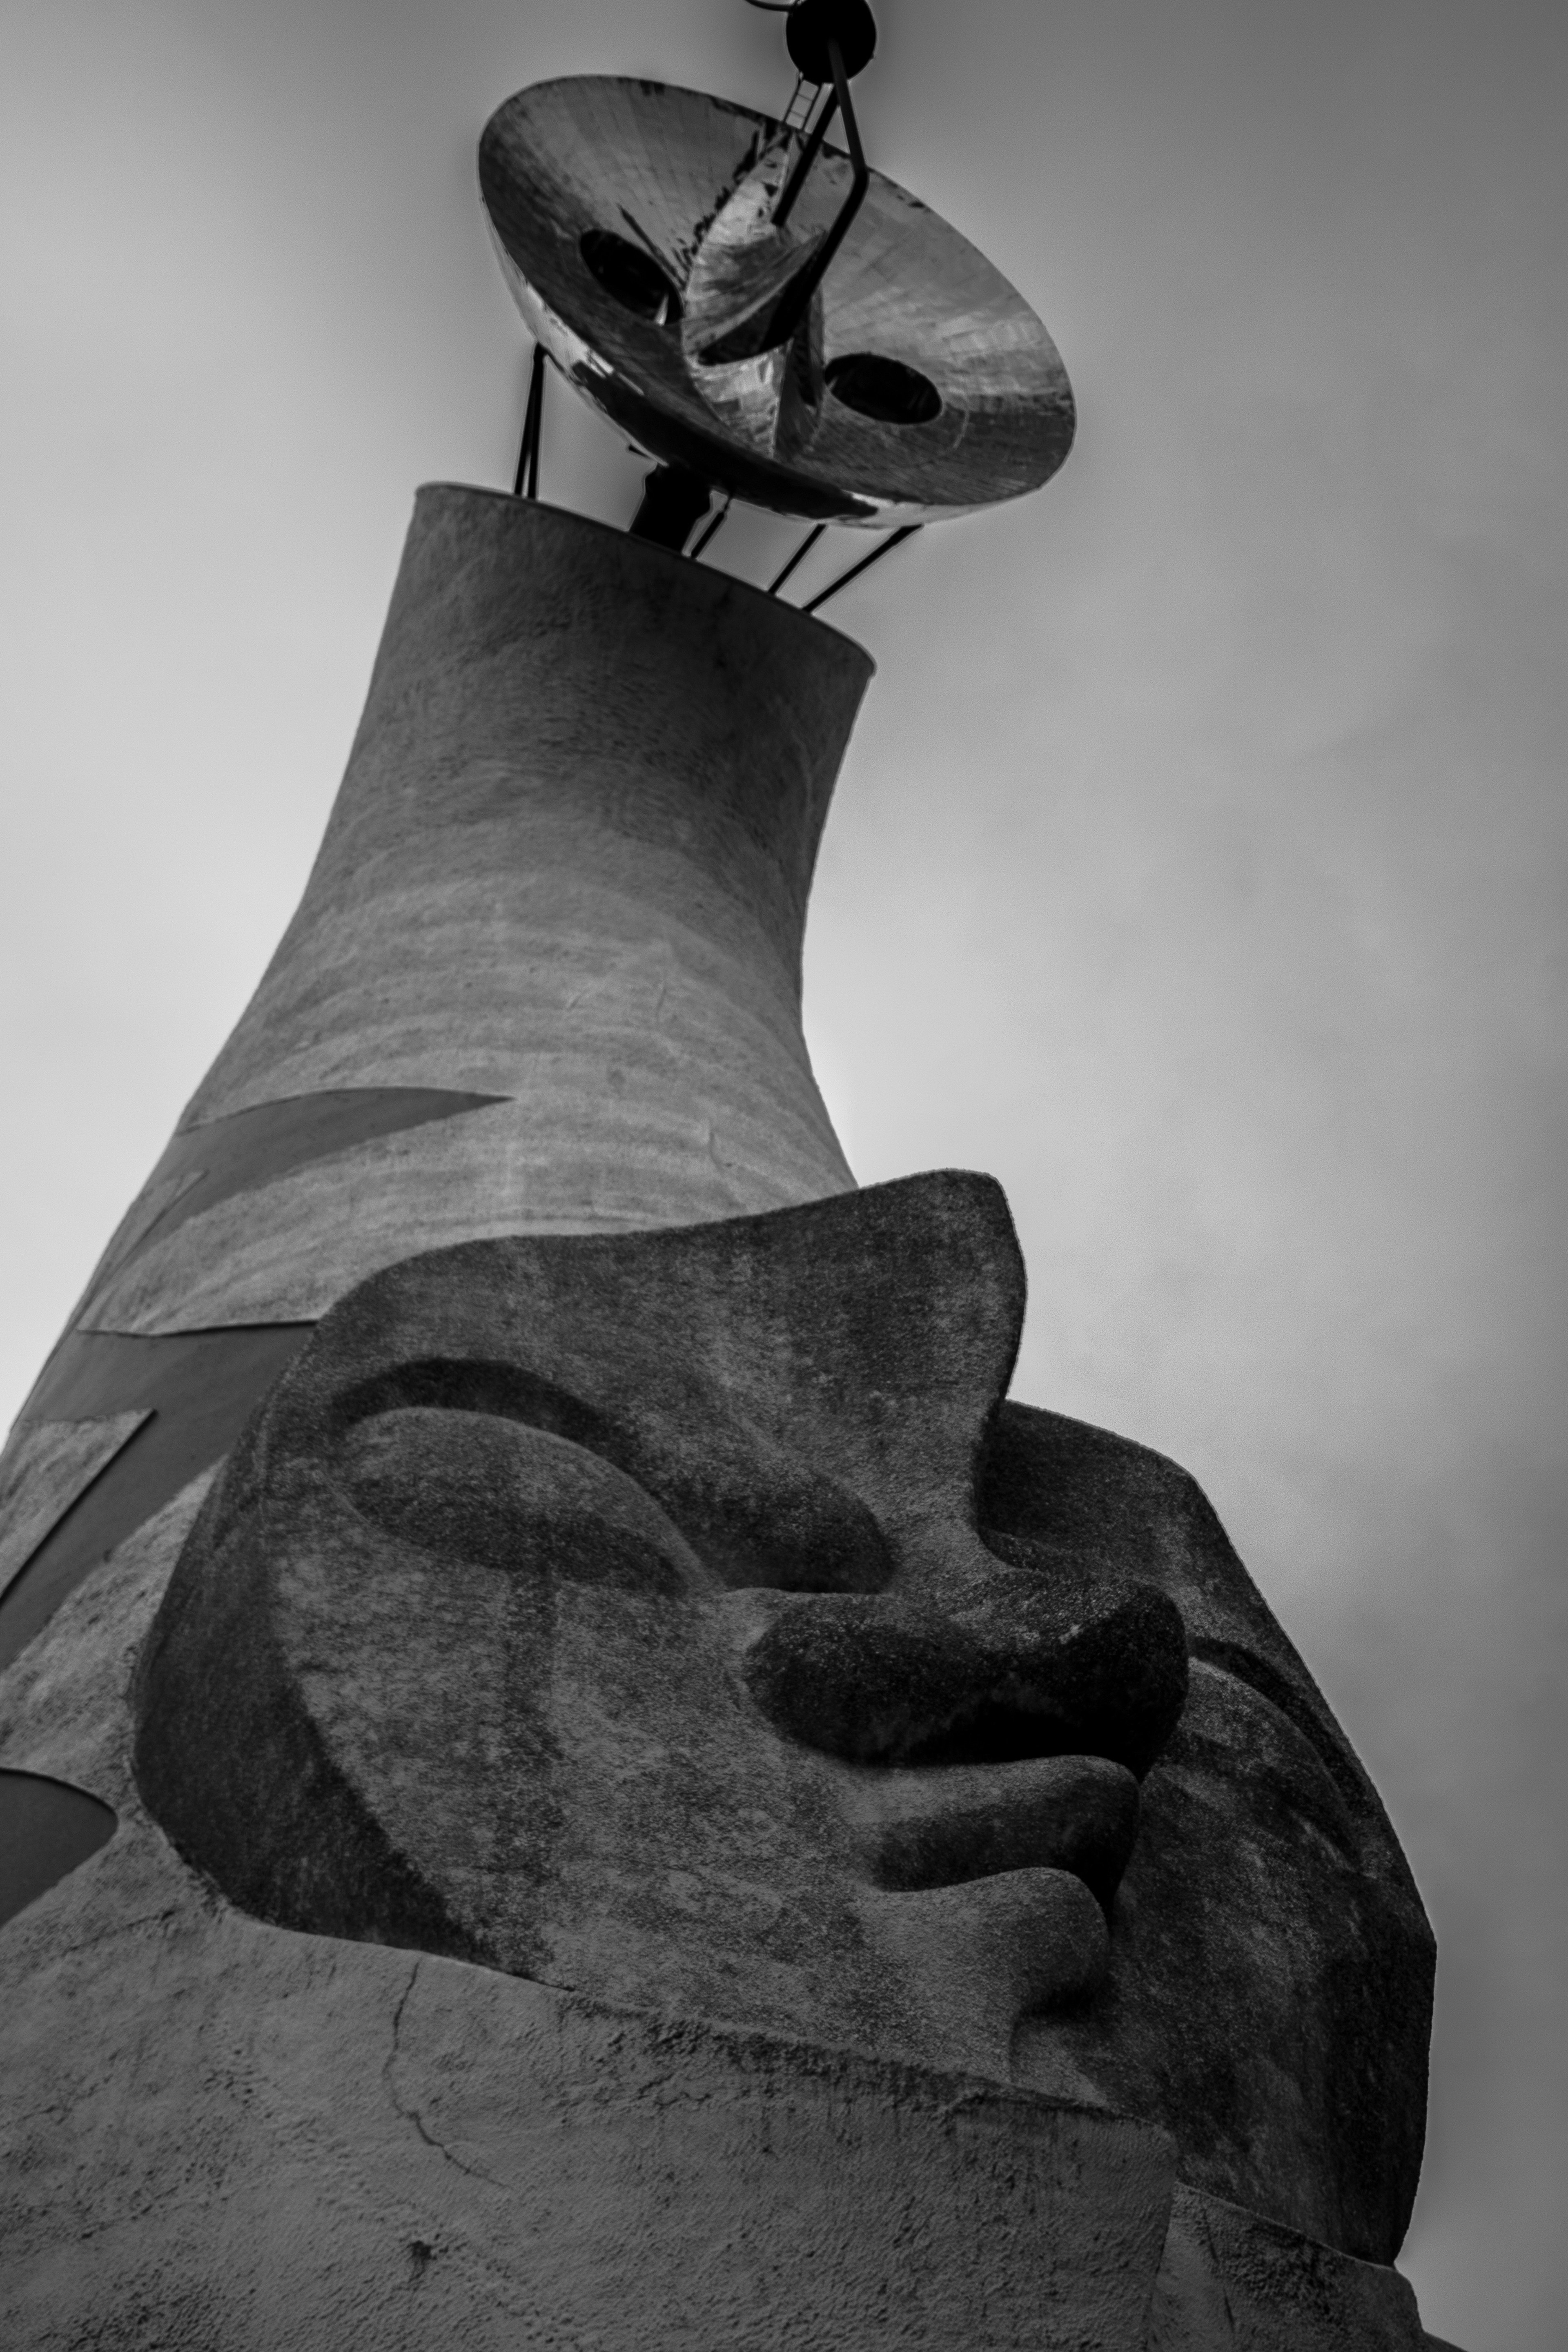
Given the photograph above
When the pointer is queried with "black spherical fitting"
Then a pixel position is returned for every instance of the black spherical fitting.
(812, 24)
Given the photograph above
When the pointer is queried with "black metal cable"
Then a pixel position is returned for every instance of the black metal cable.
(893, 538)
(712, 528)
(527, 483)
(802, 551)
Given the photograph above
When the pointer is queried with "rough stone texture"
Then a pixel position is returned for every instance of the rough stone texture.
(569, 865)
(586, 770)
(573, 1604)
(1230, 2281)
(217, 2131)
(569, 870)
(547, 973)
(1269, 1992)
(684, 1620)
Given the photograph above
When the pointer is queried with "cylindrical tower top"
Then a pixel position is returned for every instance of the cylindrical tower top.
(560, 716)
(567, 870)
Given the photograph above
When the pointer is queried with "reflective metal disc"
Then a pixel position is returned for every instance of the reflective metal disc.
(635, 224)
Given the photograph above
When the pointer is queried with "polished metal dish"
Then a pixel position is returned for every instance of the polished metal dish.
(635, 224)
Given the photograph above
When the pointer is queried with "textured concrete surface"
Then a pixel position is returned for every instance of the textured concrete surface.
(569, 865)
(217, 2131)
(1229, 2279)
(545, 984)
(568, 870)
(1269, 1991)
(509, 1631)
(545, 974)
(683, 1619)
(222, 2133)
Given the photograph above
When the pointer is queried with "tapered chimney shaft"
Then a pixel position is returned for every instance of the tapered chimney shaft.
(546, 977)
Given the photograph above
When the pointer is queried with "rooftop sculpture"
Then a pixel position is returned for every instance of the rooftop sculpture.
(766, 315)
(586, 1774)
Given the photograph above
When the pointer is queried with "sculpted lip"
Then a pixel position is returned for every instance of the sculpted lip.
(947, 1824)
(998, 1736)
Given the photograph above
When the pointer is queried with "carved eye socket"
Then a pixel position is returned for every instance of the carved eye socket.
(631, 277)
(515, 1498)
(884, 390)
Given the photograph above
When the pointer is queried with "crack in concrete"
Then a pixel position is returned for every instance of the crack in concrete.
(411, 2115)
(114, 1930)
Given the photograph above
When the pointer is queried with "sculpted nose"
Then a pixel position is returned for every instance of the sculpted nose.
(997, 1663)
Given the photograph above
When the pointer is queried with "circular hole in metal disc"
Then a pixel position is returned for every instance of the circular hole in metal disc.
(883, 389)
(631, 277)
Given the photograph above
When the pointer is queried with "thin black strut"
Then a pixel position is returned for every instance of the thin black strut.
(907, 530)
(711, 528)
(797, 297)
(527, 483)
(802, 551)
(805, 160)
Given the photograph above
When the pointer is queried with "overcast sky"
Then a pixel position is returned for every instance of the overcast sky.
(1198, 866)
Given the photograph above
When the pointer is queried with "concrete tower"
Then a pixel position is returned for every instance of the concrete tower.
(545, 976)
(572, 1771)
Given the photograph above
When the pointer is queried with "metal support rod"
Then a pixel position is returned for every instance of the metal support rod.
(527, 483)
(797, 299)
(802, 551)
(805, 161)
(907, 531)
(712, 528)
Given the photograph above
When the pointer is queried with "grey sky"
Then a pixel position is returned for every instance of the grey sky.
(1197, 869)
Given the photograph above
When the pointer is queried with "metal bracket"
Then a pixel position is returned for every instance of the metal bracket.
(527, 483)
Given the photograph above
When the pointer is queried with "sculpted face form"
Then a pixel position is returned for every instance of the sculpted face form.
(685, 1620)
